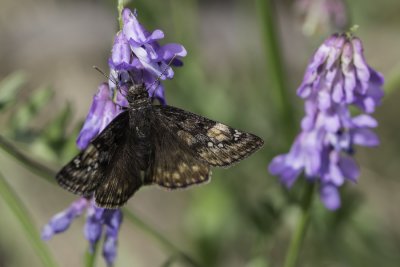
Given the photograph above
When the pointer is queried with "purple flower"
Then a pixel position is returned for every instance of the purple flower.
(61, 221)
(336, 78)
(113, 220)
(102, 111)
(99, 222)
(320, 14)
(136, 57)
(97, 219)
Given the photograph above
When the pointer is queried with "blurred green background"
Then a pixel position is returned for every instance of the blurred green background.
(243, 217)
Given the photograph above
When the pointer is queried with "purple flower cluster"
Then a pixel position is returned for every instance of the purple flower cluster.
(336, 78)
(98, 220)
(136, 57)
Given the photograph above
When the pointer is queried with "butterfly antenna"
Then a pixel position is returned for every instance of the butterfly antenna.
(112, 79)
(162, 73)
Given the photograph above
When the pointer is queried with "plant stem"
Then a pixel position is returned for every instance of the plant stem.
(21, 212)
(31, 164)
(392, 82)
(275, 67)
(301, 229)
(157, 236)
(90, 257)
(120, 7)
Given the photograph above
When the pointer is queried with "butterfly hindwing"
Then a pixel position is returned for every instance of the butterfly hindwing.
(211, 141)
(84, 173)
(175, 165)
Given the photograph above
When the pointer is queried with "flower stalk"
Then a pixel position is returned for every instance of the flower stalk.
(393, 81)
(21, 212)
(301, 229)
(120, 7)
(275, 68)
(90, 256)
(34, 166)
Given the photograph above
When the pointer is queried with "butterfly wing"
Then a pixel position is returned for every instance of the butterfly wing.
(123, 178)
(108, 168)
(211, 141)
(83, 174)
(174, 164)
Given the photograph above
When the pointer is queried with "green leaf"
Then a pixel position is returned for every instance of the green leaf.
(9, 88)
(21, 212)
(30, 109)
(55, 141)
(54, 133)
(43, 151)
(70, 149)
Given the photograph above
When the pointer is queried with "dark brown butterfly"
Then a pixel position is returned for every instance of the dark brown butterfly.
(153, 144)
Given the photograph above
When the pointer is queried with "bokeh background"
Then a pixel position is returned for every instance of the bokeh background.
(243, 217)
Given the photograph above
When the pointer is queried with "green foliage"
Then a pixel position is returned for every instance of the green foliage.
(27, 111)
(49, 142)
(9, 89)
(52, 140)
(24, 218)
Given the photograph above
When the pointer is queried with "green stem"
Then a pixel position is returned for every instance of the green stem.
(393, 81)
(275, 67)
(21, 212)
(90, 257)
(120, 7)
(49, 175)
(157, 236)
(301, 229)
(31, 164)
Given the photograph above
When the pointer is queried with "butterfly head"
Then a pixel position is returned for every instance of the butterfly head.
(138, 95)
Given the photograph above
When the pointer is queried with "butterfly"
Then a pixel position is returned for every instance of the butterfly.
(152, 144)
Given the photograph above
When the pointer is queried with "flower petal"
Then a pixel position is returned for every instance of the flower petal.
(102, 112)
(287, 173)
(61, 221)
(113, 220)
(121, 53)
(365, 137)
(364, 120)
(360, 64)
(329, 195)
(168, 51)
(349, 168)
(132, 28)
(94, 225)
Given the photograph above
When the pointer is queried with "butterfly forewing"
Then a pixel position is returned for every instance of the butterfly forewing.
(84, 173)
(175, 164)
(210, 141)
